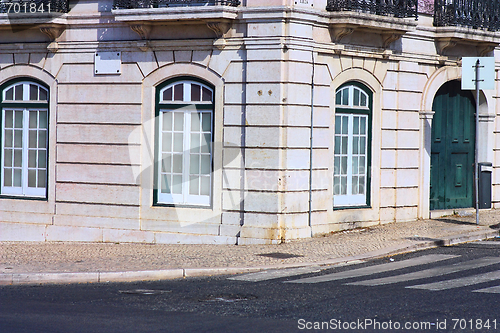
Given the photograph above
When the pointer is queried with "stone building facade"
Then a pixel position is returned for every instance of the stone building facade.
(238, 123)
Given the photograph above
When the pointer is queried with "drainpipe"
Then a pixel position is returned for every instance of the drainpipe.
(311, 143)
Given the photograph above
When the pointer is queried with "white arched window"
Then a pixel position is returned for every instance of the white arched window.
(351, 177)
(185, 126)
(24, 107)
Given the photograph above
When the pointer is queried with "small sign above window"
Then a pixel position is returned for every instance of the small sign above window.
(108, 63)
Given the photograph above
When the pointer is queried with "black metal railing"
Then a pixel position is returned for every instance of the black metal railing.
(132, 4)
(34, 7)
(476, 14)
(396, 8)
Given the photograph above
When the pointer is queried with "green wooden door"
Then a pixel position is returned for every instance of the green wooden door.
(452, 150)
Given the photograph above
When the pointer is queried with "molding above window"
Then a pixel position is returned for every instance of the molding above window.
(449, 37)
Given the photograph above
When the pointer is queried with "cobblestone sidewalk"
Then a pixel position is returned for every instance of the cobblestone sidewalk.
(29, 257)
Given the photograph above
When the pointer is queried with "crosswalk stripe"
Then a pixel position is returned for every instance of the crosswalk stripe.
(276, 274)
(497, 243)
(460, 282)
(391, 266)
(438, 271)
(490, 290)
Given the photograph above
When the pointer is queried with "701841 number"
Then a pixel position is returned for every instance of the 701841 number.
(27, 8)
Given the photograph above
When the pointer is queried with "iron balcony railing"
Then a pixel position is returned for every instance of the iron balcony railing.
(132, 4)
(396, 8)
(476, 14)
(34, 7)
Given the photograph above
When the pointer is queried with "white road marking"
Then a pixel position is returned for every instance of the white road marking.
(497, 243)
(461, 282)
(276, 273)
(391, 266)
(438, 271)
(490, 290)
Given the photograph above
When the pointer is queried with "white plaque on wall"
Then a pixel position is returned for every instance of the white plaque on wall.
(108, 63)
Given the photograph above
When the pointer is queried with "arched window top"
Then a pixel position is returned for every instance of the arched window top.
(25, 91)
(186, 91)
(351, 96)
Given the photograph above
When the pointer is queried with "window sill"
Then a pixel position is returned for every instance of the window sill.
(352, 207)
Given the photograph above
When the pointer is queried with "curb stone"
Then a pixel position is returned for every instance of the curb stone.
(132, 276)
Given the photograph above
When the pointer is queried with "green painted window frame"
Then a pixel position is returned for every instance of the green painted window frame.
(159, 105)
(25, 106)
(341, 109)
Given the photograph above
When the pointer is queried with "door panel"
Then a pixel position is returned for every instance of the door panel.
(452, 151)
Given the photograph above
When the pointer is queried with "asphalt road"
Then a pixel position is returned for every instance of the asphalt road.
(450, 289)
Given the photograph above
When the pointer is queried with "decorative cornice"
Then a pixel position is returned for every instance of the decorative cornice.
(52, 31)
(487, 117)
(219, 27)
(426, 114)
(340, 31)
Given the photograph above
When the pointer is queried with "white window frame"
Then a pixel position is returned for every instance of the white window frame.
(349, 199)
(24, 190)
(188, 108)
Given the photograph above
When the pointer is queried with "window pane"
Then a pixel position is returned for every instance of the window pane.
(8, 157)
(42, 159)
(166, 163)
(165, 188)
(9, 94)
(195, 121)
(7, 177)
(33, 96)
(343, 185)
(31, 178)
(42, 119)
(362, 167)
(338, 124)
(194, 185)
(18, 158)
(345, 96)
(195, 143)
(205, 164)
(9, 119)
(32, 158)
(177, 163)
(206, 142)
(166, 143)
(336, 185)
(167, 94)
(17, 178)
(206, 121)
(9, 139)
(344, 145)
(195, 92)
(336, 165)
(176, 184)
(354, 185)
(42, 178)
(362, 185)
(362, 148)
(178, 121)
(364, 100)
(337, 144)
(42, 139)
(194, 164)
(355, 144)
(43, 94)
(356, 97)
(19, 92)
(18, 139)
(207, 95)
(354, 165)
(205, 186)
(33, 119)
(338, 97)
(362, 125)
(19, 119)
(179, 92)
(178, 142)
(345, 127)
(355, 125)
(343, 165)
(167, 121)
